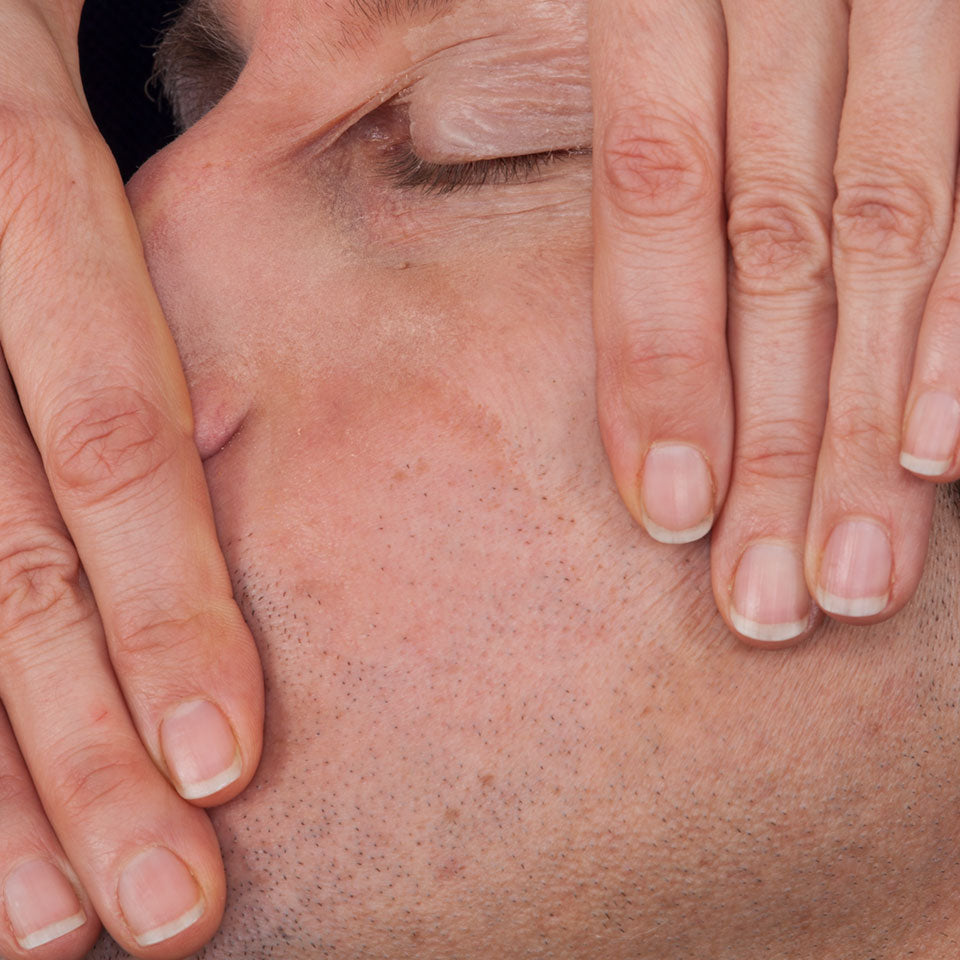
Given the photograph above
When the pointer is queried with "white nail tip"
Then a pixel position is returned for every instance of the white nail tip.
(171, 929)
(925, 468)
(767, 632)
(663, 535)
(52, 932)
(851, 606)
(207, 788)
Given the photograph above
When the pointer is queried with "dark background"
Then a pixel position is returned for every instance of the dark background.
(116, 50)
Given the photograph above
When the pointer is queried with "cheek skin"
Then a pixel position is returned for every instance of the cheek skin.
(475, 754)
(499, 720)
(460, 720)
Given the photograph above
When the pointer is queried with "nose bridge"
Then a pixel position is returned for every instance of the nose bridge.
(177, 199)
(172, 186)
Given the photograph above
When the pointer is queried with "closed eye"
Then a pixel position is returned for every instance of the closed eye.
(407, 170)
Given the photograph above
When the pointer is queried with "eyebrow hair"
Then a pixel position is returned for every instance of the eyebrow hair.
(198, 58)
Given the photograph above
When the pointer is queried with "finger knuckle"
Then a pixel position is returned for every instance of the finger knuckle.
(663, 356)
(888, 219)
(16, 791)
(90, 781)
(106, 443)
(658, 166)
(857, 429)
(778, 243)
(782, 451)
(141, 637)
(39, 579)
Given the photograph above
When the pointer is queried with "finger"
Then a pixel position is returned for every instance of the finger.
(665, 407)
(895, 172)
(930, 443)
(48, 914)
(101, 386)
(787, 72)
(149, 861)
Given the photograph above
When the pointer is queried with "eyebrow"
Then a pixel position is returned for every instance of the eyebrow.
(199, 58)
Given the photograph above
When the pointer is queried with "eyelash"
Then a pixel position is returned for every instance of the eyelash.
(407, 170)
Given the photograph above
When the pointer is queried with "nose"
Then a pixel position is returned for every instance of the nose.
(174, 197)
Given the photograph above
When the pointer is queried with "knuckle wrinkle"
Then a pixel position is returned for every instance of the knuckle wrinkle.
(888, 221)
(38, 577)
(658, 167)
(15, 791)
(91, 779)
(664, 357)
(857, 429)
(140, 637)
(784, 451)
(778, 246)
(108, 442)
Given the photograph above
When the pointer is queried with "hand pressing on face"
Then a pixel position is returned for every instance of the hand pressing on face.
(776, 290)
(131, 689)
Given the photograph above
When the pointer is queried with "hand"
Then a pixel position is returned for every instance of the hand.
(832, 176)
(126, 670)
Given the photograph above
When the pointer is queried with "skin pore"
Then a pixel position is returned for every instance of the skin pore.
(501, 722)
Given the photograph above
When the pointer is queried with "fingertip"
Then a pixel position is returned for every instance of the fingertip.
(776, 643)
(623, 445)
(768, 604)
(769, 636)
(677, 493)
(45, 912)
(203, 753)
(855, 574)
(931, 435)
(868, 570)
(851, 608)
(169, 909)
(924, 467)
(676, 537)
(934, 471)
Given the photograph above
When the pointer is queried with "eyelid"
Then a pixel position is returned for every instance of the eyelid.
(388, 128)
(407, 170)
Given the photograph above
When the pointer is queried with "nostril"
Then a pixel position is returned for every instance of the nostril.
(219, 410)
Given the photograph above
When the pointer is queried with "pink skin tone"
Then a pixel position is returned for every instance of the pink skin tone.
(773, 180)
(498, 723)
(131, 688)
(345, 295)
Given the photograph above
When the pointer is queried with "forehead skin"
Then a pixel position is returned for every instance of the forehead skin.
(205, 48)
(350, 24)
(500, 722)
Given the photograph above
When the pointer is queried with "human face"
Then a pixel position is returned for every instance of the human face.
(501, 723)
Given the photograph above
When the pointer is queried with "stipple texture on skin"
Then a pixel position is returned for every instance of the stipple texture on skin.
(501, 722)
(452, 797)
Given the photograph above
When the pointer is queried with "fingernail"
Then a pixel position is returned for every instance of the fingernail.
(158, 896)
(933, 430)
(770, 600)
(676, 494)
(41, 904)
(200, 749)
(856, 569)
